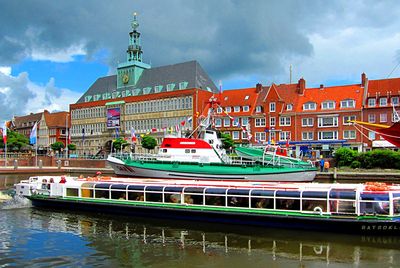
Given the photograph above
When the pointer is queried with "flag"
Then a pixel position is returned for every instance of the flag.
(153, 129)
(69, 137)
(177, 128)
(189, 120)
(5, 132)
(33, 135)
(183, 123)
(287, 143)
(116, 133)
(133, 135)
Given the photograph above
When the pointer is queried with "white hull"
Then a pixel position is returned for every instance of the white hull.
(123, 170)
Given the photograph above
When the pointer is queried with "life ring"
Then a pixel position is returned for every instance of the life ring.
(318, 210)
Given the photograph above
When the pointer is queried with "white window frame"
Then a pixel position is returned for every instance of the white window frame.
(246, 108)
(272, 121)
(260, 122)
(328, 105)
(322, 124)
(334, 135)
(245, 121)
(348, 118)
(289, 107)
(258, 109)
(349, 103)
(272, 106)
(228, 109)
(307, 136)
(227, 122)
(218, 122)
(219, 110)
(371, 118)
(309, 106)
(394, 100)
(261, 136)
(371, 102)
(236, 109)
(383, 101)
(383, 118)
(235, 135)
(285, 121)
(284, 135)
(349, 135)
(309, 122)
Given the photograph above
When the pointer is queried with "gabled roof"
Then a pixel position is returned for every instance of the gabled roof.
(30, 118)
(384, 87)
(190, 72)
(56, 120)
(335, 93)
(239, 97)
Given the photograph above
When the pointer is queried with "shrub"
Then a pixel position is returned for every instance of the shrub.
(345, 156)
(355, 164)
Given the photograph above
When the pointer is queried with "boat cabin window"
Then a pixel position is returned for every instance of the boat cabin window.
(215, 196)
(287, 200)
(342, 201)
(164, 150)
(315, 201)
(118, 191)
(173, 194)
(136, 192)
(72, 192)
(396, 203)
(187, 151)
(193, 151)
(102, 190)
(87, 190)
(374, 203)
(154, 193)
(193, 195)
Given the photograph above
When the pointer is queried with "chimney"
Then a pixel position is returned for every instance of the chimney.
(363, 79)
(258, 88)
(321, 86)
(301, 86)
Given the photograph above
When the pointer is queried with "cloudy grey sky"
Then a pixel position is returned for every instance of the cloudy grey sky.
(52, 51)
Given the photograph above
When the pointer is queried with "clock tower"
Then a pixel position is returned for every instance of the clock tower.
(129, 72)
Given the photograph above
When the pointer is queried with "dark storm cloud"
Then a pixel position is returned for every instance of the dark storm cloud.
(227, 37)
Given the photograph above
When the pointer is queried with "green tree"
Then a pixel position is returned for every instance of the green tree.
(119, 143)
(15, 141)
(227, 141)
(149, 142)
(71, 147)
(57, 146)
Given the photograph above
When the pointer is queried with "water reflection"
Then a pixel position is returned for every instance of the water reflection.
(127, 241)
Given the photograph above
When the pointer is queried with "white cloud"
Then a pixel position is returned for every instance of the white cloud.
(24, 96)
(58, 55)
(5, 70)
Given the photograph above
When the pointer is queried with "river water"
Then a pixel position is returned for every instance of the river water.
(36, 237)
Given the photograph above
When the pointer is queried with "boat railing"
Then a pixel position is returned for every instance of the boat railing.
(344, 202)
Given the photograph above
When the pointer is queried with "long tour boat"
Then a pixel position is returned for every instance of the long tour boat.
(372, 208)
(204, 158)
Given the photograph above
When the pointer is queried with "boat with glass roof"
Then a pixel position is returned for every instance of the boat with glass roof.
(372, 208)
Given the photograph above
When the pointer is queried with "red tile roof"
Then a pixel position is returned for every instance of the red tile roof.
(54, 120)
(384, 87)
(237, 97)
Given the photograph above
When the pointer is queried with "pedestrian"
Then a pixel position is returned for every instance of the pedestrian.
(321, 164)
(326, 166)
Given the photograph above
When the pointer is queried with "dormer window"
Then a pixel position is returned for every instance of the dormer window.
(395, 100)
(347, 104)
(170, 87)
(228, 109)
(371, 102)
(383, 101)
(157, 89)
(246, 108)
(328, 105)
(309, 106)
(258, 109)
(289, 107)
(226, 98)
(236, 109)
(219, 110)
(247, 97)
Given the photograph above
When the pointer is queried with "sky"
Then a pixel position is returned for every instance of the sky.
(52, 51)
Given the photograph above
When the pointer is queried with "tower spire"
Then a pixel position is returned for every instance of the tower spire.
(134, 52)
